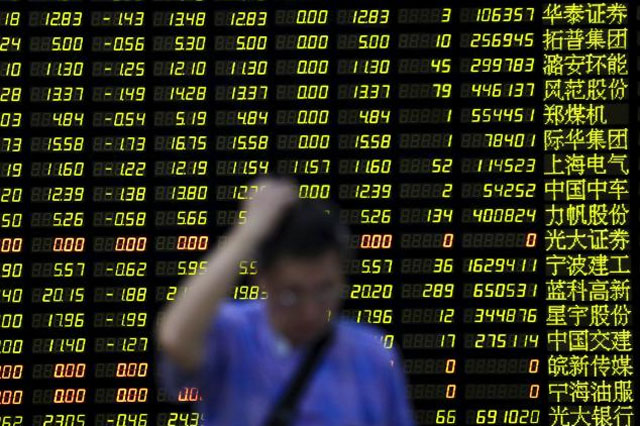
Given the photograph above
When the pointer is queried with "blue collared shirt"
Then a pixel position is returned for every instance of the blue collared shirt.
(247, 364)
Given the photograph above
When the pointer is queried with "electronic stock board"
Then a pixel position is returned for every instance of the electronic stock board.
(484, 155)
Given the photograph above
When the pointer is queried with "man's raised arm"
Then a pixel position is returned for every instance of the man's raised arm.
(182, 328)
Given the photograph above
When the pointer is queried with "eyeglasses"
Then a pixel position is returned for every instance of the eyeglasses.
(289, 298)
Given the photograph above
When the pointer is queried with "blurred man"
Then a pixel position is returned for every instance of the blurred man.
(244, 355)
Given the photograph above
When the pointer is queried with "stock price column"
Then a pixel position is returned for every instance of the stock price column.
(60, 266)
(182, 149)
(363, 141)
(14, 238)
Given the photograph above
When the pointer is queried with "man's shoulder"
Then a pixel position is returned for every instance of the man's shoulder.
(241, 308)
(237, 313)
(357, 330)
(361, 340)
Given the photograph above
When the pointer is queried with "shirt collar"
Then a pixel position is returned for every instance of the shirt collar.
(276, 340)
(283, 346)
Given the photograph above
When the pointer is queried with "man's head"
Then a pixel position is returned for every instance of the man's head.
(300, 266)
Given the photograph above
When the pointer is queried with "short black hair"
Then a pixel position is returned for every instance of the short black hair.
(308, 228)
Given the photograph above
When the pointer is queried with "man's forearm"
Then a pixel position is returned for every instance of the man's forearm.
(187, 319)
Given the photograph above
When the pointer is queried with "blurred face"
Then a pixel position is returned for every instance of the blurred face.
(300, 293)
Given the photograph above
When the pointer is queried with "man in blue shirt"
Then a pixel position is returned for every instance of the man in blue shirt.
(242, 355)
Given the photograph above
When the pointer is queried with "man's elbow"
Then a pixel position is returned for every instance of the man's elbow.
(166, 336)
(178, 351)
